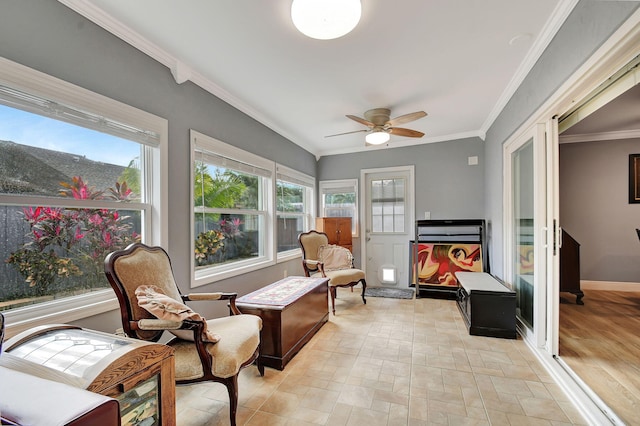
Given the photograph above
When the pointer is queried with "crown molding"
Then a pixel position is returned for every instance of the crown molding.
(404, 143)
(180, 71)
(551, 27)
(115, 27)
(603, 136)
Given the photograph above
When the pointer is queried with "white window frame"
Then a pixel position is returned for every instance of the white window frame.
(201, 142)
(326, 186)
(155, 225)
(289, 175)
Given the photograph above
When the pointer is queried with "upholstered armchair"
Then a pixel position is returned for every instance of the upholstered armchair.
(151, 303)
(321, 259)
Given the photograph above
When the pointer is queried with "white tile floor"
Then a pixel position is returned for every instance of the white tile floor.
(391, 362)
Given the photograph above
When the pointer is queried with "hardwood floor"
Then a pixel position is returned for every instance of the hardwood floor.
(600, 341)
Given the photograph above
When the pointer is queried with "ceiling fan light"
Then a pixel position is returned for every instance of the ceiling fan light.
(377, 138)
(325, 19)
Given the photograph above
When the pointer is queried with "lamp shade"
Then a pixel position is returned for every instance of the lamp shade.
(377, 137)
(325, 19)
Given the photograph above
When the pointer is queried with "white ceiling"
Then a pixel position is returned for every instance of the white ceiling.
(460, 61)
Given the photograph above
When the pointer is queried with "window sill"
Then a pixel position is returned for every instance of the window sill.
(289, 255)
(59, 311)
(211, 275)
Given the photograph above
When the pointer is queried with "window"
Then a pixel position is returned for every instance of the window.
(294, 208)
(387, 205)
(78, 179)
(339, 198)
(232, 210)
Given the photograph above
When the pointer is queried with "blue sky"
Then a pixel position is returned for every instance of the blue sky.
(39, 131)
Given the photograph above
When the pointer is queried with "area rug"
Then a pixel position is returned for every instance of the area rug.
(391, 293)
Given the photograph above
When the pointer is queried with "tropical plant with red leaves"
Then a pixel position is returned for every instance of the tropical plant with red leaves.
(73, 241)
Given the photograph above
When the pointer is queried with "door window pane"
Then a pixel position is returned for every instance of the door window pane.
(388, 205)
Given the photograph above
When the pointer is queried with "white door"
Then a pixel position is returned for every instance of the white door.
(527, 229)
(388, 212)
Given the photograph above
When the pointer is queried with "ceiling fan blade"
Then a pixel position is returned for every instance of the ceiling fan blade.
(361, 120)
(405, 118)
(346, 133)
(399, 131)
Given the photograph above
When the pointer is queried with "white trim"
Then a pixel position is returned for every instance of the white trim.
(295, 177)
(613, 55)
(411, 204)
(341, 183)
(43, 85)
(535, 135)
(289, 255)
(213, 273)
(213, 145)
(551, 235)
(551, 27)
(59, 311)
(603, 136)
(609, 285)
(283, 172)
(577, 395)
(622, 81)
(180, 71)
(405, 142)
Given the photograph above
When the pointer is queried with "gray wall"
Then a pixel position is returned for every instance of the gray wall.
(49, 37)
(595, 209)
(589, 25)
(446, 185)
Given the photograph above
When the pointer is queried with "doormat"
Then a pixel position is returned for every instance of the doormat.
(391, 293)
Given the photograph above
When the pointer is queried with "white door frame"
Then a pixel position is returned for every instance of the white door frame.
(536, 133)
(613, 54)
(411, 205)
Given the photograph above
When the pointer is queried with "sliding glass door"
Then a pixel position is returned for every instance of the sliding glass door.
(525, 229)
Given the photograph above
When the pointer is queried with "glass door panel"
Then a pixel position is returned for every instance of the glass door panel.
(523, 231)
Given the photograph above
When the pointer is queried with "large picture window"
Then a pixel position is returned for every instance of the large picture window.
(77, 181)
(232, 210)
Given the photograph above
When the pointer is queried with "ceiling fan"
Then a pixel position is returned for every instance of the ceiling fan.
(380, 126)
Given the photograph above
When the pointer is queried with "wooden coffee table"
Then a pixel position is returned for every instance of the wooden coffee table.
(292, 311)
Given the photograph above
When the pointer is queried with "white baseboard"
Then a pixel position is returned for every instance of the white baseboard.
(609, 285)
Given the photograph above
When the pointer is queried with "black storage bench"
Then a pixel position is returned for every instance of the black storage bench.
(487, 306)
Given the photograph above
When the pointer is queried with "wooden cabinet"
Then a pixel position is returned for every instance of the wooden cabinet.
(138, 374)
(292, 311)
(338, 229)
(487, 306)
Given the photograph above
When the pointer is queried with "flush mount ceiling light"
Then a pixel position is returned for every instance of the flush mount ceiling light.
(377, 137)
(325, 19)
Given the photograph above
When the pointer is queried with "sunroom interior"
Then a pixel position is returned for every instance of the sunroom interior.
(51, 51)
